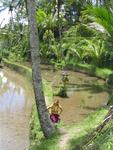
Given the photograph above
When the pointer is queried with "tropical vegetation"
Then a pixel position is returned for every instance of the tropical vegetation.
(64, 34)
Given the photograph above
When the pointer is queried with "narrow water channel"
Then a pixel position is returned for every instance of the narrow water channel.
(15, 108)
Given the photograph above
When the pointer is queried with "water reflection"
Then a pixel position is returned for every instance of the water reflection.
(1, 74)
(15, 107)
(11, 95)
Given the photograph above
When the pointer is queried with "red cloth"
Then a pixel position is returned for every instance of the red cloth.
(55, 118)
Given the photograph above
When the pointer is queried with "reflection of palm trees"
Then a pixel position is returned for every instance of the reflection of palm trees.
(3, 89)
(15, 93)
(4, 84)
(15, 106)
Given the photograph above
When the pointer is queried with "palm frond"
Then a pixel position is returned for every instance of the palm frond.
(102, 16)
(2, 9)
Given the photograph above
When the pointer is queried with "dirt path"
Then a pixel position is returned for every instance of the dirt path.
(66, 136)
(64, 140)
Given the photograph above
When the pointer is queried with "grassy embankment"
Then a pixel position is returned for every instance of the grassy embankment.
(77, 132)
(0, 77)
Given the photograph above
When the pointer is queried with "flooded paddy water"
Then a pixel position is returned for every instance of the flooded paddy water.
(85, 95)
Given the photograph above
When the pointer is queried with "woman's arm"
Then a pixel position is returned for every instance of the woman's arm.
(49, 109)
(60, 109)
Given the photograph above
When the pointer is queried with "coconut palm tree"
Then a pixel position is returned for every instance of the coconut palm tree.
(10, 5)
(102, 16)
(44, 119)
(105, 18)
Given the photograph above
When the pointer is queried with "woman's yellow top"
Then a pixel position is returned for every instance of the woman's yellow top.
(55, 109)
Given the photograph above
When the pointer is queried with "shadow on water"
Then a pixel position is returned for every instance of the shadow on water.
(90, 108)
(92, 87)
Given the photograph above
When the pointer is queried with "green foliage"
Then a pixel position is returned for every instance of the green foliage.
(60, 64)
(84, 44)
(80, 43)
(48, 36)
(85, 18)
(63, 88)
(110, 80)
(85, 31)
(45, 20)
(96, 50)
(102, 16)
(110, 101)
(15, 44)
(93, 70)
(91, 50)
(104, 140)
(71, 45)
(1, 57)
(41, 17)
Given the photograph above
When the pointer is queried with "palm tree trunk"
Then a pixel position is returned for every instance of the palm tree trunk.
(59, 25)
(100, 1)
(97, 3)
(46, 125)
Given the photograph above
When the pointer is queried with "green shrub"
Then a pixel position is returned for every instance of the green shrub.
(110, 80)
(85, 31)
